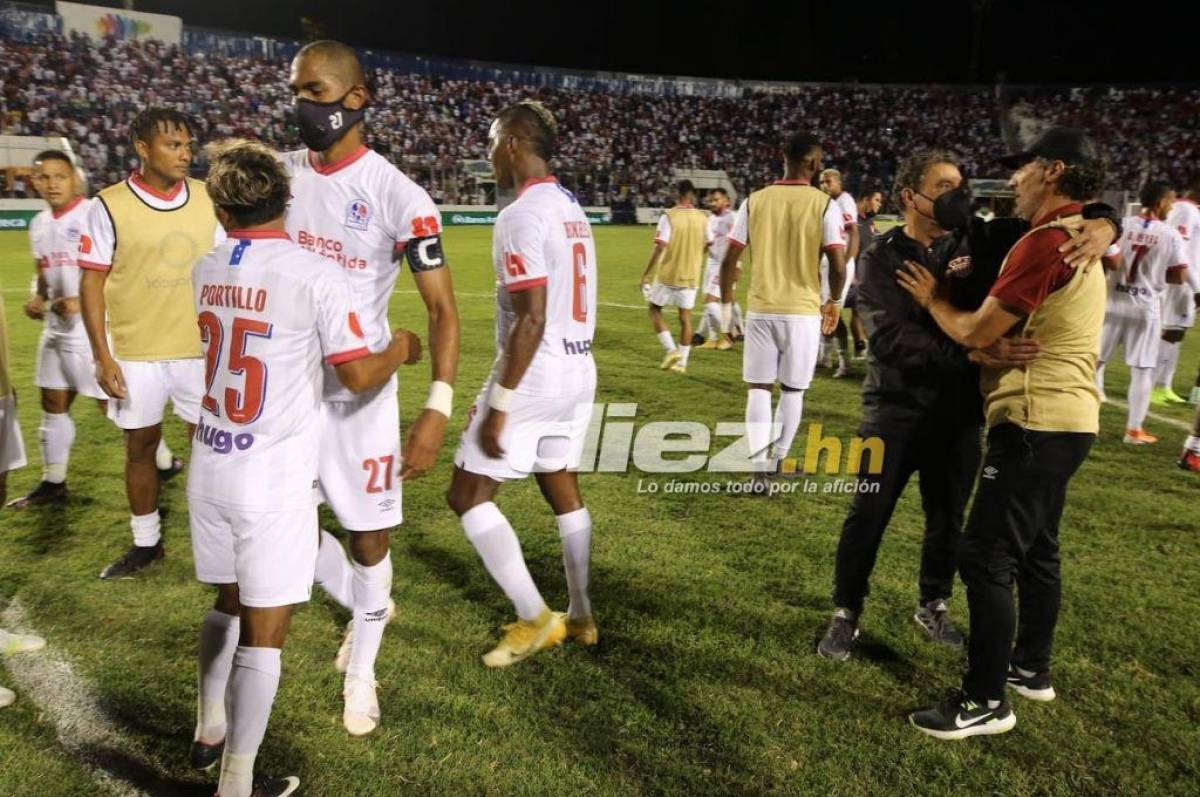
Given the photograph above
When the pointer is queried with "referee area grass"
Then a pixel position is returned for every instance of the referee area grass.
(706, 679)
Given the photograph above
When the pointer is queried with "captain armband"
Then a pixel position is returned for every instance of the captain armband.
(424, 254)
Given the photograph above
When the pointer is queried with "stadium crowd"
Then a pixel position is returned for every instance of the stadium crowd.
(614, 144)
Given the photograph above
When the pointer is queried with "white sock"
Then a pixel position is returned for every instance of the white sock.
(711, 320)
(787, 418)
(1100, 377)
(1192, 443)
(372, 591)
(684, 351)
(1140, 382)
(758, 426)
(163, 458)
(575, 532)
(218, 642)
(57, 434)
(668, 343)
(147, 529)
(248, 701)
(737, 318)
(1168, 358)
(335, 575)
(497, 544)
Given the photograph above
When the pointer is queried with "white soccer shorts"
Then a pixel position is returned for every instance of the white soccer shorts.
(271, 556)
(665, 295)
(149, 383)
(359, 465)
(781, 348)
(1139, 335)
(712, 280)
(12, 445)
(541, 435)
(825, 280)
(1178, 307)
(62, 369)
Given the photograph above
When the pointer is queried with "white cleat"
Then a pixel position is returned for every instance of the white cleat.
(7, 697)
(20, 643)
(361, 714)
(341, 662)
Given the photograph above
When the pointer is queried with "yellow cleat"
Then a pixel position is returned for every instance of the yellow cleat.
(678, 368)
(724, 345)
(672, 357)
(710, 344)
(583, 631)
(524, 638)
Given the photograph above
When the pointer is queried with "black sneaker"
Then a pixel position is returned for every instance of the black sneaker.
(958, 717)
(204, 757)
(934, 619)
(45, 493)
(267, 786)
(165, 474)
(839, 639)
(133, 560)
(697, 340)
(1035, 687)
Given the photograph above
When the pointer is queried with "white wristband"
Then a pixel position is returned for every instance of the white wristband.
(441, 398)
(726, 316)
(500, 397)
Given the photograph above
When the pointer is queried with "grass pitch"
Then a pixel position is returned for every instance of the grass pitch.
(710, 606)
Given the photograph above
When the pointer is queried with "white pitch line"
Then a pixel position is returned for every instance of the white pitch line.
(1178, 424)
(48, 679)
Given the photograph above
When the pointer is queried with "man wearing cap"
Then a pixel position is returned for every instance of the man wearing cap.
(1041, 419)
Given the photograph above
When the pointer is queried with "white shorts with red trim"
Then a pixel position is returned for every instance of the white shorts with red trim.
(1178, 307)
(359, 464)
(61, 368)
(781, 348)
(150, 383)
(541, 435)
(825, 280)
(1137, 334)
(666, 295)
(271, 556)
(12, 445)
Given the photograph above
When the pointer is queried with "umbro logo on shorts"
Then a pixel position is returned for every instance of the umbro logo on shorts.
(991, 472)
(386, 504)
(377, 615)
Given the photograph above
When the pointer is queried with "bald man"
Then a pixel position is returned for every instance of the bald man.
(354, 207)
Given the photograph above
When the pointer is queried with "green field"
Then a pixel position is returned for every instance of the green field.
(710, 606)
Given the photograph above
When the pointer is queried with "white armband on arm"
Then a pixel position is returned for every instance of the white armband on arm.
(441, 398)
(500, 397)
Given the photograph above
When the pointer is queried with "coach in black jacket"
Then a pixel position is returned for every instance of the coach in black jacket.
(921, 395)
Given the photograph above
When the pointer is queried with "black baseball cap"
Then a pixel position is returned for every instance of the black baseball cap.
(1066, 144)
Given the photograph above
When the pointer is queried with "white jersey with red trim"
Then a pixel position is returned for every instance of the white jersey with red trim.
(357, 212)
(54, 239)
(270, 313)
(543, 238)
(1149, 249)
(719, 227)
(1185, 219)
(849, 210)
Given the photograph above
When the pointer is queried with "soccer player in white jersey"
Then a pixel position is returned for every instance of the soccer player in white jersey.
(831, 183)
(139, 242)
(64, 363)
(1179, 301)
(534, 409)
(352, 206)
(270, 313)
(720, 223)
(1151, 257)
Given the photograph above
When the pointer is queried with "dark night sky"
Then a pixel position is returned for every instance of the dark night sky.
(913, 41)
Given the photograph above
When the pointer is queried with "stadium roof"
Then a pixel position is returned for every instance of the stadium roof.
(933, 41)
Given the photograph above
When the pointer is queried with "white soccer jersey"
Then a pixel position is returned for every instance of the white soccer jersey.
(1185, 219)
(543, 238)
(54, 239)
(359, 212)
(1149, 249)
(849, 209)
(719, 227)
(269, 314)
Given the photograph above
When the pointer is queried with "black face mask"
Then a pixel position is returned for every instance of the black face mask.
(322, 124)
(952, 210)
